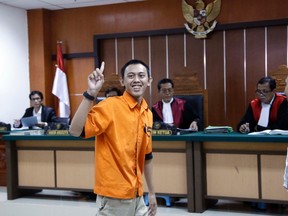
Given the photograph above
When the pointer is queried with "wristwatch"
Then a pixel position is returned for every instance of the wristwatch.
(88, 96)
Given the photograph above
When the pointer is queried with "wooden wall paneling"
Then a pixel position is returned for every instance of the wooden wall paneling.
(158, 63)
(175, 54)
(195, 57)
(159, 54)
(235, 100)
(40, 65)
(124, 51)
(77, 71)
(276, 47)
(141, 52)
(108, 55)
(77, 26)
(141, 49)
(48, 73)
(255, 61)
(215, 78)
(243, 11)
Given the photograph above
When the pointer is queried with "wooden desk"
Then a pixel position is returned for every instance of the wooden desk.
(197, 166)
(239, 167)
(67, 163)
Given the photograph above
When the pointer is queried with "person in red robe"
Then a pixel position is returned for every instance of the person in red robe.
(267, 111)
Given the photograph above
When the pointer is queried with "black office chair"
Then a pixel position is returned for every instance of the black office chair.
(197, 102)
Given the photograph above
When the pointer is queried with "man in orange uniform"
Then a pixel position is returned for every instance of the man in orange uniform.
(123, 145)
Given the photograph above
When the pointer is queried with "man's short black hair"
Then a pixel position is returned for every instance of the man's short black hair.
(131, 62)
(163, 81)
(270, 80)
(35, 92)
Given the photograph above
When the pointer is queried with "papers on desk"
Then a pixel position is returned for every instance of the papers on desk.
(270, 132)
(29, 121)
(285, 184)
(218, 129)
(181, 131)
(26, 132)
(187, 129)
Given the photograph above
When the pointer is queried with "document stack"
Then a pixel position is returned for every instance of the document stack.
(218, 129)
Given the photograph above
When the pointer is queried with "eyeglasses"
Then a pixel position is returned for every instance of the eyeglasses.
(262, 92)
(36, 99)
(170, 90)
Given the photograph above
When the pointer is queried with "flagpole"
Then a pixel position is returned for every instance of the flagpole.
(60, 85)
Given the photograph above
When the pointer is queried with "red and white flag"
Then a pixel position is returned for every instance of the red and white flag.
(60, 86)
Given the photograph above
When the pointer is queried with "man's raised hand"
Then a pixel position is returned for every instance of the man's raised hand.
(96, 80)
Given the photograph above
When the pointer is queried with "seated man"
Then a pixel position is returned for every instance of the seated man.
(267, 111)
(45, 115)
(174, 111)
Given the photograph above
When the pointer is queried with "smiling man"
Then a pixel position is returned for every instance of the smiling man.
(267, 111)
(122, 126)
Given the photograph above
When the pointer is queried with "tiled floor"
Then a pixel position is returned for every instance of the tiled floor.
(62, 203)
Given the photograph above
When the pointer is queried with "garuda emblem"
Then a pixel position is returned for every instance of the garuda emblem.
(201, 20)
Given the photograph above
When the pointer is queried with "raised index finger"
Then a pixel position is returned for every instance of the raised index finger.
(101, 70)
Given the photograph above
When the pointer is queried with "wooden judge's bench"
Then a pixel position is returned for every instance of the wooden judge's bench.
(2, 160)
(197, 166)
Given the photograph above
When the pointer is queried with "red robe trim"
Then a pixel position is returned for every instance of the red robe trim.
(177, 107)
(256, 107)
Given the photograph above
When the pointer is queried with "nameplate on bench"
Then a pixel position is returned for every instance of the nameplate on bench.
(4, 129)
(162, 132)
(57, 132)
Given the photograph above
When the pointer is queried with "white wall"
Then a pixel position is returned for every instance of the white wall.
(14, 63)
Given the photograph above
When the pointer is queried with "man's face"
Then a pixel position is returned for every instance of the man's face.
(36, 101)
(136, 80)
(264, 93)
(166, 92)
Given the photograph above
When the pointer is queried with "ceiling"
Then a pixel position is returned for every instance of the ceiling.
(59, 4)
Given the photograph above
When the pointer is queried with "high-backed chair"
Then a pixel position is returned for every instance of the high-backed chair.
(197, 101)
(187, 87)
(280, 75)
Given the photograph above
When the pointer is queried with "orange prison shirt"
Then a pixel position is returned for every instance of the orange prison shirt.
(122, 141)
